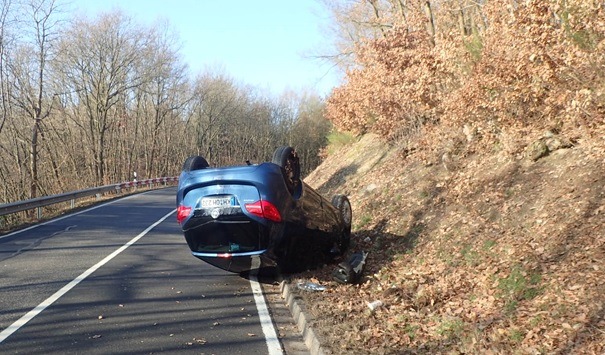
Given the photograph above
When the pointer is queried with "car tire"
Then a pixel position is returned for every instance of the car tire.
(287, 159)
(195, 162)
(342, 204)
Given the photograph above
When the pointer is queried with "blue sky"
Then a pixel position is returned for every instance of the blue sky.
(264, 43)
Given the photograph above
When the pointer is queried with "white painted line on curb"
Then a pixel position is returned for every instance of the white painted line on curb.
(266, 323)
(50, 300)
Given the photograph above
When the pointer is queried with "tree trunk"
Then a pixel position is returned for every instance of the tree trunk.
(430, 25)
(33, 160)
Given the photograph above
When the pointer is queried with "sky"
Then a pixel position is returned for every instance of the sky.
(268, 44)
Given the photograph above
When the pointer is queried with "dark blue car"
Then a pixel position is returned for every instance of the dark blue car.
(252, 216)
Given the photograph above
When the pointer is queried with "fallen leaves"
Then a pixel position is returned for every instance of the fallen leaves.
(445, 291)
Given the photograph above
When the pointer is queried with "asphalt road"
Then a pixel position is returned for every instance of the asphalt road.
(120, 279)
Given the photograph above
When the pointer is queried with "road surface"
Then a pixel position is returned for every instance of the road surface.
(119, 278)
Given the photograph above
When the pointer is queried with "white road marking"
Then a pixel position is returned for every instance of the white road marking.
(50, 300)
(263, 312)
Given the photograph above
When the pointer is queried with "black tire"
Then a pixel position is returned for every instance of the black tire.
(287, 159)
(195, 162)
(345, 213)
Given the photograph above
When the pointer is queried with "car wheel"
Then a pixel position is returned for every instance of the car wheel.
(195, 162)
(342, 204)
(287, 159)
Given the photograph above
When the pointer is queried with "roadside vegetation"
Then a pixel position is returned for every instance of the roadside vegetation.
(476, 177)
(88, 102)
(501, 255)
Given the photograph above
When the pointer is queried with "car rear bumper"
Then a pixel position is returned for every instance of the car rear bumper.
(236, 244)
(238, 262)
(234, 235)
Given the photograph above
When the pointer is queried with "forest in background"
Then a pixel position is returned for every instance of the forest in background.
(90, 101)
(493, 68)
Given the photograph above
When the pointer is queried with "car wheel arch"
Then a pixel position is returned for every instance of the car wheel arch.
(195, 162)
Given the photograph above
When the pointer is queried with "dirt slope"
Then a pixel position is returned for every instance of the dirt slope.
(468, 252)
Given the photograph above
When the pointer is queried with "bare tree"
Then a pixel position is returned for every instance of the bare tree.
(164, 96)
(30, 74)
(353, 21)
(216, 101)
(99, 61)
(310, 131)
(104, 96)
(5, 38)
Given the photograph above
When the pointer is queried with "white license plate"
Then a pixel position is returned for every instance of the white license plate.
(212, 202)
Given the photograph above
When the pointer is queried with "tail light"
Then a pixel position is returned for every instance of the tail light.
(182, 212)
(264, 209)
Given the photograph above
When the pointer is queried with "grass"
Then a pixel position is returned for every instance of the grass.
(519, 285)
(471, 257)
(535, 321)
(363, 221)
(509, 193)
(446, 256)
(337, 140)
(517, 335)
(474, 46)
(424, 194)
(488, 245)
(451, 329)
(410, 330)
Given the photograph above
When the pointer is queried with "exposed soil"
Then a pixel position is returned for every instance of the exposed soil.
(473, 251)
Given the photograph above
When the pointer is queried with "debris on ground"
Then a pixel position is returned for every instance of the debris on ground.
(349, 272)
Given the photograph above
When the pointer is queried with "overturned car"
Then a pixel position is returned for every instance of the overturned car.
(241, 218)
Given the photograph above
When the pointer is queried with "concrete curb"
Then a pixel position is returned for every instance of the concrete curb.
(301, 319)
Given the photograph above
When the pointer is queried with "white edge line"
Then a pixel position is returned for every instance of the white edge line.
(266, 323)
(50, 300)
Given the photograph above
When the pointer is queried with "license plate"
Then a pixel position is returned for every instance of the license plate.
(213, 202)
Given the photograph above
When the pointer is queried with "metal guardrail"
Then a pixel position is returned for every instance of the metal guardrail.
(39, 202)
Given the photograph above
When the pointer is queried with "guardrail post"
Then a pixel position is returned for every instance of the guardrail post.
(39, 212)
(73, 202)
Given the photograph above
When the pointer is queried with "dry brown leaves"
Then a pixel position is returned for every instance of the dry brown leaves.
(501, 255)
(473, 246)
(537, 64)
